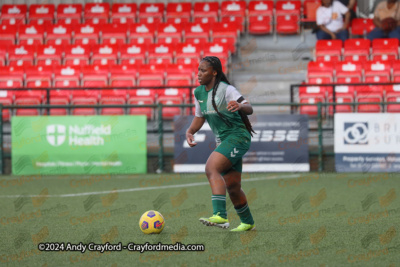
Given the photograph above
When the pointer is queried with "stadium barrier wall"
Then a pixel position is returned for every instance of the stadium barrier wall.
(319, 153)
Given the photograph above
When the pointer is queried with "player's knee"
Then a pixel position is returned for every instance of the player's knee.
(233, 188)
(210, 171)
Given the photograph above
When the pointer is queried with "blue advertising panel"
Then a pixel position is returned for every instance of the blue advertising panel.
(279, 145)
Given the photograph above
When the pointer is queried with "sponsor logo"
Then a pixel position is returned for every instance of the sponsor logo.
(356, 133)
(86, 135)
(55, 134)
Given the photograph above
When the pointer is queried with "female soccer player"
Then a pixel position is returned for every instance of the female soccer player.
(226, 112)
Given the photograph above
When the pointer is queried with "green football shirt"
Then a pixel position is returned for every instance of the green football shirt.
(204, 108)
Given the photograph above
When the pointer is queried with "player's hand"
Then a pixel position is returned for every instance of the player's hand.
(190, 140)
(234, 106)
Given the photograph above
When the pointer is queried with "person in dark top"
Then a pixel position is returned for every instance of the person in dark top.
(350, 4)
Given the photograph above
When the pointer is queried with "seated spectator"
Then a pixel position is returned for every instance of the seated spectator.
(350, 4)
(330, 21)
(386, 20)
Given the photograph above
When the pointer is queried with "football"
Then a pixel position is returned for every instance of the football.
(151, 222)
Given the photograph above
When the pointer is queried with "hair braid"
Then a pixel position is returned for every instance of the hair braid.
(214, 91)
(216, 64)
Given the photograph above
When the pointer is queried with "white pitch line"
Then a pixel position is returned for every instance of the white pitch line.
(273, 177)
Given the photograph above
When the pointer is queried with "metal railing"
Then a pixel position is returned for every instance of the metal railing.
(320, 153)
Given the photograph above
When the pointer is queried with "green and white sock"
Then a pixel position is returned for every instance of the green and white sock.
(245, 214)
(219, 205)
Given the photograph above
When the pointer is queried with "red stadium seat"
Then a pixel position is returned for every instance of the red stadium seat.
(39, 77)
(311, 110)
(59, 34)
(148, 111)
(234, 11)
(226, 33)
(160, 54)
(13, 14)
(21, 55)
(27, 102)
(385, 49)
(206, 12)
(377, 72)
(170, 112)
(260, 17)
(310, 10)
(178, 75)
(320, 72)
(396, 71)
(142, 33)
(151, 13)
(178, 12)
(114, 33)
(96, 13)
(287, 17)
(343, 94)
(49, 55)
(188, 53)
(58, 111)
(11, 77)
(7, 34)
(77, 55)
(369, 94)
(67, 77)
(86, 34)
(393, 95)
(349, 72)
(60, 94)
(6, 100)
(69, 13)
(222, 51)
(30, 34)
(151, 75)
(168, 33)
(123, 13)
(361, 27)
(313, 91)
(311, 94)
(196, 30)
(112, 101)
(84, 101)
(357, 50)
(133, 54)
(328, 50)
(104, 54)
(41, 14)
(123, 76)
(93, 76)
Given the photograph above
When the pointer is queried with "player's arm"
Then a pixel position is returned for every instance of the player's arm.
(352, 3)
(237, 102)
(244, 106)
(196, 125)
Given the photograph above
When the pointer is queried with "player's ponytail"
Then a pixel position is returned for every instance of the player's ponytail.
(216, 64)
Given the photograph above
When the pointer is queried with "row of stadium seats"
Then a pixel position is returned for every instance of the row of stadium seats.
(73, 55)
(353, 72)
(108, 97)
(260, 15)
(347, 94)
(98, 76)
(137, 33)
(357, 50)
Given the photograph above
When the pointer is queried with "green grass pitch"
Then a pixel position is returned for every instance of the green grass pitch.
(310, 219)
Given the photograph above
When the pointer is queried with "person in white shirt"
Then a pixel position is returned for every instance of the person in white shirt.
(330, 21)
